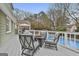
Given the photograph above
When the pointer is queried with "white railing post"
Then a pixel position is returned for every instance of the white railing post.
(70, 39)
(74, 39)
(65, 39)
(47, 34)
(34, 32)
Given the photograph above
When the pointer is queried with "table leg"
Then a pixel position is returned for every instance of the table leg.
(40, 42)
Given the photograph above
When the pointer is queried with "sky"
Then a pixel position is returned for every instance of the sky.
(32, 7)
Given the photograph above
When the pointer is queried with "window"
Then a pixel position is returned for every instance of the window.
(8, 25)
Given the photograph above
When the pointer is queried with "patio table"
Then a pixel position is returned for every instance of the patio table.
(40, 39)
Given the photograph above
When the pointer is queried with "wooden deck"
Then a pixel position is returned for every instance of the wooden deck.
(12, 47)
(52, 52)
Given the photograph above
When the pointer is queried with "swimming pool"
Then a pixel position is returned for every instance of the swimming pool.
(69, 43)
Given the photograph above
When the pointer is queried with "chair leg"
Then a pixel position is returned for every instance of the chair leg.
(22, 52)
(21, 47)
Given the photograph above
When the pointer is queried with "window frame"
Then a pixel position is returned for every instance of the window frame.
(9, 25)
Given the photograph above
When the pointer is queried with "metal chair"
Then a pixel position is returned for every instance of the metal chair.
(53, 42)
(28, 45)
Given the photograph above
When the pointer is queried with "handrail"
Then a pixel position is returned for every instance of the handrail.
(66, 35)
(77, 33)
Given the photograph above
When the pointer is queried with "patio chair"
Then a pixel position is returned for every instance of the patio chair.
(53, 42)
(28, 45)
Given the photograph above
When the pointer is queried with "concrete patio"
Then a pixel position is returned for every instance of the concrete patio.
(13, 48)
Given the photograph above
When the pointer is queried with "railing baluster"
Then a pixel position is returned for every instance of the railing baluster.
(47, 34)
(66, 39)
(70, 38)
(74, 39)
(34, 32)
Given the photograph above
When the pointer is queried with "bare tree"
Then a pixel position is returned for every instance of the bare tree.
(73, 12)
(58, 10)
(21, 14)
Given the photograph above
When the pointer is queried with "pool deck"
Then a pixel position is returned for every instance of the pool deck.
(13, 48)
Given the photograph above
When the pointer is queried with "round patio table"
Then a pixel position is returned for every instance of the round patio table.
(40, 39)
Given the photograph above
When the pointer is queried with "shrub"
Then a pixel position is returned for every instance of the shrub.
(40, 26)
(61, 29)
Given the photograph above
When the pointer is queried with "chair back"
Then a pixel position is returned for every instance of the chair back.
(44, 34)
(26, 41)
(56, 39)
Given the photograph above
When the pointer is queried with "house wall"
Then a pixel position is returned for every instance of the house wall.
(7, 10)
(3, 35)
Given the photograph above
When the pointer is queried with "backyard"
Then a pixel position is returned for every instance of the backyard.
(45, 30)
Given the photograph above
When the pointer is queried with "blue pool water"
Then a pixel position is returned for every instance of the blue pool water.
(69, 43)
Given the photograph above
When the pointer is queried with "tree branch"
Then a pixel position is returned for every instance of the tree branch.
(72, 17)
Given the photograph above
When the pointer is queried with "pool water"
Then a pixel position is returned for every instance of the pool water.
(69, 43)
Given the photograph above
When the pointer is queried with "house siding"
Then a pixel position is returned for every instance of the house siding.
(4, 37)
(1, 26)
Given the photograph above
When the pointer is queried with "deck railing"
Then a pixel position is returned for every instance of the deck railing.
(68, 36)
(72, 38)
